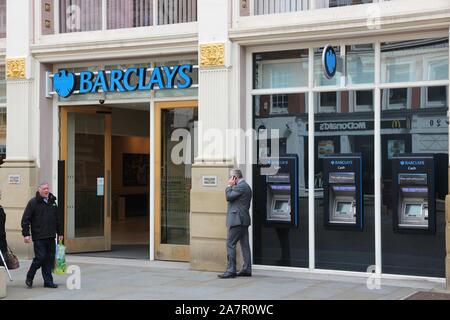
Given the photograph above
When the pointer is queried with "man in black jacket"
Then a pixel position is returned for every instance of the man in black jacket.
(3, 243)
(42, 213)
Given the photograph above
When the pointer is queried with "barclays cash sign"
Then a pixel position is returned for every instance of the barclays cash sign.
(174, 77)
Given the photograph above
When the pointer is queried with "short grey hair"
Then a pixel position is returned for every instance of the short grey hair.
(43, 183)
(237, 173)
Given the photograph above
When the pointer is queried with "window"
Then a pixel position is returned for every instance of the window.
(87, 15)
(319, 77)
(414, 60)
(328, 102)
(2, 18)
(279, 104)
(360, 63)
(77, 16)
(272, 70)
(434, 97)
(362, 101)
(279, 6)
(2, 85)
(436, 68)
(398, 98)
(339, 3)
(129, 13)
(399, 72)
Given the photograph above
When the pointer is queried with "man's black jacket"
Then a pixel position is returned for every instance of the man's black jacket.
(3, 243)
(43, 217)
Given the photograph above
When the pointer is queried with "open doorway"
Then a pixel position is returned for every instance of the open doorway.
(130, 183)
(124, 187)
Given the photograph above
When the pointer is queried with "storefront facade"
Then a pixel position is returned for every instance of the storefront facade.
(257, 68)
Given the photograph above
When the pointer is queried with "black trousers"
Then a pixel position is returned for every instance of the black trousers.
(44, 258)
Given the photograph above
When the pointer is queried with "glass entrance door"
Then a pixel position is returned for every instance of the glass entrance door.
(175, 123)
(86, 150)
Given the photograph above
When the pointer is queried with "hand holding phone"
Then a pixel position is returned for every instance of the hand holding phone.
(232, 181)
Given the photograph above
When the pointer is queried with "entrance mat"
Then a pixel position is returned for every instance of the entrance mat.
(140, 252)
(421, 295)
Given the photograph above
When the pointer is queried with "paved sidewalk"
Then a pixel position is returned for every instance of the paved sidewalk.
(103, 278)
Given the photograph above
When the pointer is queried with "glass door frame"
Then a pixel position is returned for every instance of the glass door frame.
(89, 244)
(163, 251)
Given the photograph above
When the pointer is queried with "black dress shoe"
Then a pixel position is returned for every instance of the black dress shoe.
(51, 286)
(29, 283)
(227, 275)
(244, 274)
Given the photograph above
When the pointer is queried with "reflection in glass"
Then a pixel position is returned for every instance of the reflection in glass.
(175, 176)
(360, 64)
(344, 125)
(414, 60)
(275, 70)
(414, 98)
(413, 120)
(85, 165)
(282, 246)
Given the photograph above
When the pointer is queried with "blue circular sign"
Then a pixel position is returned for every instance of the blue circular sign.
(329, 62)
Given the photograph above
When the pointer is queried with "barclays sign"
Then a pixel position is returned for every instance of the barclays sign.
(66, 83)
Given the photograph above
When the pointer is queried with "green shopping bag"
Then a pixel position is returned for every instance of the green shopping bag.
(60, 259)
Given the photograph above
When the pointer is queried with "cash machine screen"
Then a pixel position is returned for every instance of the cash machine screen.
(344, 208)
(342, 177)
(281, 206)
(413, 210)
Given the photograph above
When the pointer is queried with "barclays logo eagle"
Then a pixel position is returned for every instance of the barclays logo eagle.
(64, 83)
(330, 61)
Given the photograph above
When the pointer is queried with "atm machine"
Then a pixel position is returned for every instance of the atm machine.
(281, 191)
(343, 194)
(415, 185)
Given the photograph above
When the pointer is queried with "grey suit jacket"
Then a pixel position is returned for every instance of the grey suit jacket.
(239, 198)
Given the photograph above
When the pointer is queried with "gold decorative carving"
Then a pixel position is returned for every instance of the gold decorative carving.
(48, 7)
(48, 24)
(15, 68)
(212, 55)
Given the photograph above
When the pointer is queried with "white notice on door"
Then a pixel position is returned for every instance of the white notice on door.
(100, 186)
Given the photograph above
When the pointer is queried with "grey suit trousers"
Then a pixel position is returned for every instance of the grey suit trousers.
(235, 235)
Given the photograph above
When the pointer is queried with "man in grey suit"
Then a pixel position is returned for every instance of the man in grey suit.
(239, 197)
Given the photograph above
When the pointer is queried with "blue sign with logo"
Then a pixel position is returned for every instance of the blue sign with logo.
(116, 80)
(64, 83)
(329, 62)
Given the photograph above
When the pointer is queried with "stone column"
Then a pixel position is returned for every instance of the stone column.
(18, 175)
(208, 204)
